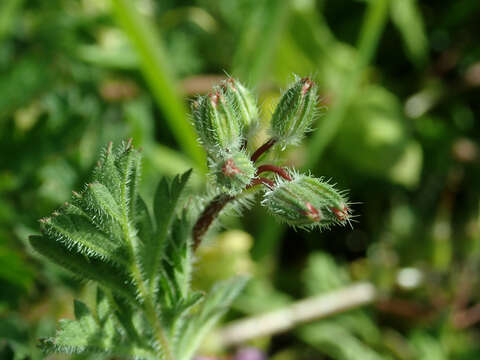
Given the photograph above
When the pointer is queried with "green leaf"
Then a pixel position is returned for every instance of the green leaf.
(74, 229)
(127, 161)
(82, 266)
(215, 305)
(179, 255)
(86, 335)
(143, 222)
(80, 310)
(165, 203)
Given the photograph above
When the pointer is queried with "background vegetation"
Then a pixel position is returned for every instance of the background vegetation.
(400, 80)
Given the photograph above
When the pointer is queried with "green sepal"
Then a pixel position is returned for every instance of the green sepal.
(295, 113)
(244, 105)
(233, 172)
(216, 123)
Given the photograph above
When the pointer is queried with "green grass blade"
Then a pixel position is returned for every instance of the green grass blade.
(157, 73)
(407, 17)
(257, 44)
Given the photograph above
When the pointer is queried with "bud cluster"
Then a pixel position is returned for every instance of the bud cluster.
(226, 120)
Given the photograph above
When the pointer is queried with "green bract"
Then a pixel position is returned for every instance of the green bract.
(234, 172)
(217, 124)
(295, 113)
(307, 202)
(244, 104)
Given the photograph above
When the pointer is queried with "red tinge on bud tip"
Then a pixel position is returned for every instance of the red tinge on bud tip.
(214, 98)
(229, 169)
(307, 85)
(341, 214)
(312, 212)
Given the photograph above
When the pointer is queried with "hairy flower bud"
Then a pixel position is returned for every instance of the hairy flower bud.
(234, 172)
(244, 103)
(307, 202)
(216, 124)
(294, 113)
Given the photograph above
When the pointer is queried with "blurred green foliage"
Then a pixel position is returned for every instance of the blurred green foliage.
(401, 82)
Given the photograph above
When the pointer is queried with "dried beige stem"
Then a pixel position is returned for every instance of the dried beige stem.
(303, 311)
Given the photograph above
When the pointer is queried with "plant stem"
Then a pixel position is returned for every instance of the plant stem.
(265, 147)
(208, 215)
(135, 270)
(276, 169)
(259, 181)
(212, 210)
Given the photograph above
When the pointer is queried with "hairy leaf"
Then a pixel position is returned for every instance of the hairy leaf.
(165, 203)
(87, 335)
(85, 267)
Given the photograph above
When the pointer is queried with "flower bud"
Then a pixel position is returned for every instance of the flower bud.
(216, 124)
(244, 103)
(294, 113)
(307, 202)
(234, 172)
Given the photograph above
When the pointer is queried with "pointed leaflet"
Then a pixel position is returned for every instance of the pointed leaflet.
(107, 173)
(181, 312)
(85, 267)
(165, 203)
(86, 335)
(174, 282)
(215, 305)
(178, 256)
(128, 162)
(72, 228)
(143, 222)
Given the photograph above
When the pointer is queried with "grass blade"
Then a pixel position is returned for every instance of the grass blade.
(156, 70)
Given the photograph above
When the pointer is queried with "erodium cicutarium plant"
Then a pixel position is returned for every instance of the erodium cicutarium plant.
(142, 261)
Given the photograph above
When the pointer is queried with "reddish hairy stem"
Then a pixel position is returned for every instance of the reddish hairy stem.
(213, 209)
(276, 169)
(265, 147)
(258, 181)
(208, 215)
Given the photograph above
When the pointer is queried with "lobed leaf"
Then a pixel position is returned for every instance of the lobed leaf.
(164, 206)
(85, 267)
(72, 228)
(86, 335)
